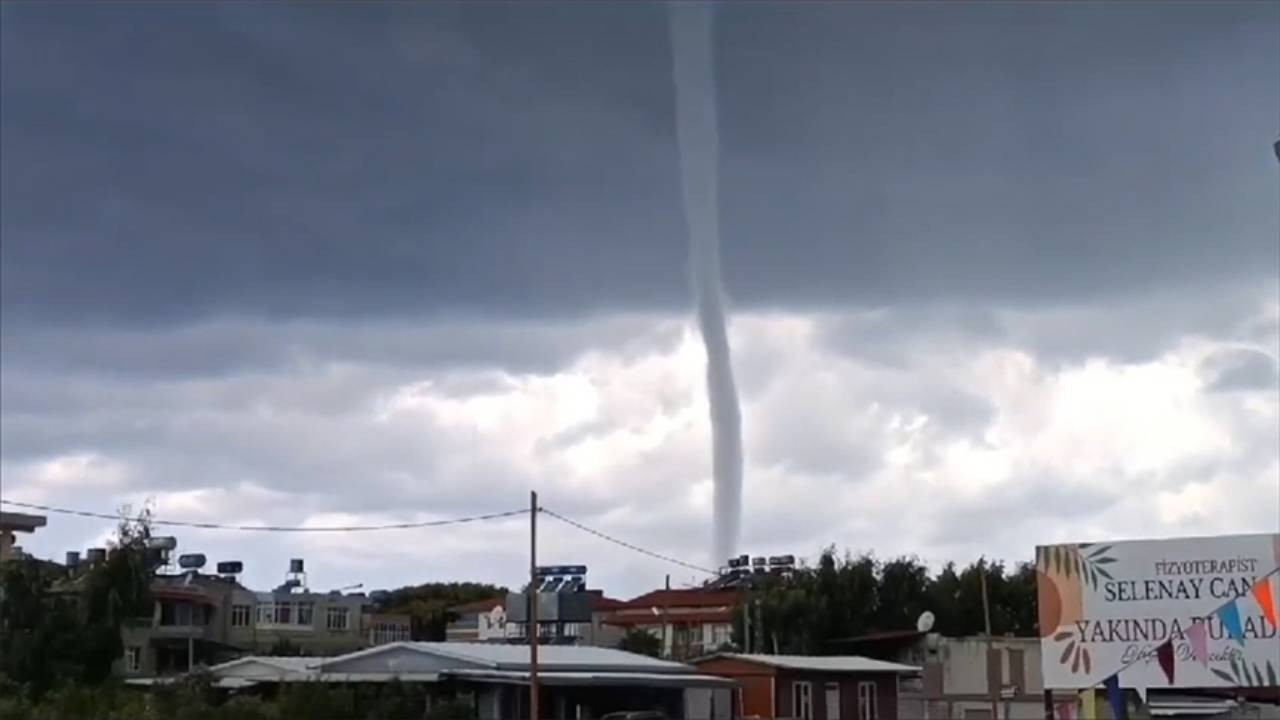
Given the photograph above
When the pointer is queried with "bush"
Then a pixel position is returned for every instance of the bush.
(315, 701)
(452, 710)
(247, 707)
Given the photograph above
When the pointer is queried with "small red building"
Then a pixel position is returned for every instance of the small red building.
(842, 687)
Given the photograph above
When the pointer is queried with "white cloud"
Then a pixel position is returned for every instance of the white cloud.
(947, 449)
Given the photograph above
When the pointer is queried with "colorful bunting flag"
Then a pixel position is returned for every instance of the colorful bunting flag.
(1229, 614)
(1142, 692)
(1115, 696)
(1266, 600)
(1088, 704)
(1198, 635)
(1164, 656)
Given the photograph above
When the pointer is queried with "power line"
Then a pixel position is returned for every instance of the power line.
(278, 528)
(625, 544)
(366, 528)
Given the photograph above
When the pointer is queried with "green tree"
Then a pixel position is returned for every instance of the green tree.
(902, 593)
(807, 610)
(55, 628)
(428, 604)
(642, 642)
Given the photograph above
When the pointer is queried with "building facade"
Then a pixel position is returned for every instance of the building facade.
(689, 623)
(384, 628)
(812, 688)
(478, 621)
(964, 678)
(491, 620)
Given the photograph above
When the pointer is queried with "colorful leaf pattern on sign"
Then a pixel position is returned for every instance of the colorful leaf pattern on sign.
(1074, 653)
(1084, 560)
(1244, 675)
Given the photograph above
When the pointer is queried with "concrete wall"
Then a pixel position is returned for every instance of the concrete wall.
(961, 674)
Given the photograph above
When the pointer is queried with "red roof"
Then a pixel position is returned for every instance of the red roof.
(693, 597)
(600, 602)
(701, 616)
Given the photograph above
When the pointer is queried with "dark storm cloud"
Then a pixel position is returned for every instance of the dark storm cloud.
(170, 162)
(231, 347)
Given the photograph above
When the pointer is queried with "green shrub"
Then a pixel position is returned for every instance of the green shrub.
(452, 710)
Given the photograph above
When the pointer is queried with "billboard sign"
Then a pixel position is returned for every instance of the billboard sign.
(1188, 612)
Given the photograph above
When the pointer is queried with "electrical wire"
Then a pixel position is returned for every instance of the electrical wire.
(278, 528)
(367, 528)
(625, 544)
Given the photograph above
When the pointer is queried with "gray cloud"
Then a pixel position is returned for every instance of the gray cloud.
(232, 233)
(1240, 369)
(169, 163)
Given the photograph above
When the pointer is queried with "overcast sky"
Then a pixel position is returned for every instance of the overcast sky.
(1000, 275)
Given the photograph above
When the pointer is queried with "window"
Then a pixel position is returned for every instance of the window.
(337, 618)
(133, 659)
(305, 614)
(266, 614)
(388, 632)
(802, 700)
(721, 635)
(284, 613)
(239, 616)
(867, 707)
(181, 614)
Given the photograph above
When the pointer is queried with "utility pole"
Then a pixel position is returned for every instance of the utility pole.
(533, 605)
(986, 623)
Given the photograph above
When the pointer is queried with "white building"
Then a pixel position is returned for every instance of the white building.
(577, 682)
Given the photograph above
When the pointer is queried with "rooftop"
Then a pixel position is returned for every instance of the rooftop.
(21, 522)
(649, 618)
(551, 658)
(282, 662)
(823, 663)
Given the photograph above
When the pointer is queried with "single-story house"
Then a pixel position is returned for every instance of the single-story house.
(841, 687)
(579, 682)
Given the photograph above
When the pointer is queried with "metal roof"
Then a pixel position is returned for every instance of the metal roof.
(823, 663)
(550, 657)
(497, 656)
(288, 664)
(608, 679)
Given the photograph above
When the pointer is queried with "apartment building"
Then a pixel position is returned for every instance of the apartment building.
(203, 619)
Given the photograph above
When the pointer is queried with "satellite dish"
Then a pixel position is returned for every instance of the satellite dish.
(924, 623)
